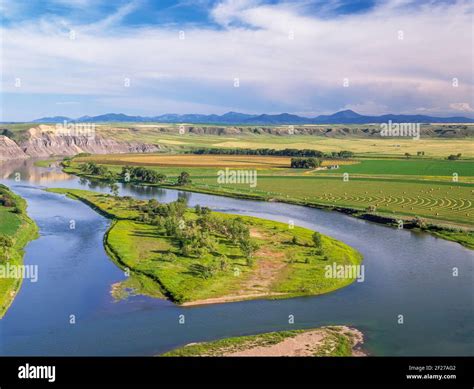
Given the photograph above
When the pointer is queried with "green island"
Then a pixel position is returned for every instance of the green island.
(16, 230)
(325, 341)
(196, 256)
(431, 194)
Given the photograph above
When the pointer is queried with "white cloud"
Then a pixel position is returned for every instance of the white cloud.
(276, 72)
(463, 107)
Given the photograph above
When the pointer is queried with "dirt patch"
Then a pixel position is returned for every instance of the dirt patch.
(254, 233)
(269, 266)
(258, 285)
(302, 345)
(230, 298)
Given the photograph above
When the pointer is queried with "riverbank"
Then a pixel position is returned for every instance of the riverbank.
(18, 229)
(284, 262)
(451, 231)
(324, 341)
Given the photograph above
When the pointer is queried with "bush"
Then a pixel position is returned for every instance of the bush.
(305, 163)
(419, 222)
(169, 257)
(454, 157)
(317, 239)
(184, 179)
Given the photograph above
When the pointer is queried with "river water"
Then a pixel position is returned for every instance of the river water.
(406, 273)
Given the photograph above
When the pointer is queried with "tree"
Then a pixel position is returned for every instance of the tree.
(184, 179)
(130, 173)
(114, 189)
(317, 240)
(346, 154)
(6, 200)
(305, 163)
(407, 155)
(454, 157)
(248, 248)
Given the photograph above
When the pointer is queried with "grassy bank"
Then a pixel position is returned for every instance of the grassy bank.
(325, 341)
(19, 229)
(285, 262)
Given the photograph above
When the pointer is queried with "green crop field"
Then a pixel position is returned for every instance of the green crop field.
(441, 201)
(418, 167)
(394, 187)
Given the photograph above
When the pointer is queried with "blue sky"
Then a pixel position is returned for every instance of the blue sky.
(145, 57)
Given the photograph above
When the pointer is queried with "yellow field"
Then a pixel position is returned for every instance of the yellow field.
(191, 160)
(431, 147)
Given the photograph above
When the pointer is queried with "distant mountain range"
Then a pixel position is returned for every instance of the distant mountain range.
(342, 117)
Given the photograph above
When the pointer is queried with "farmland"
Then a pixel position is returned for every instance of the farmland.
(169, 138)
(393, 187)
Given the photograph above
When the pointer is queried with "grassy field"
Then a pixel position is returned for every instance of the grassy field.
(440, 201)
(14, 223)
(325, 341)
(394, 187)
(181, 160)
(286, 263)
(370, 146)
(200, 161)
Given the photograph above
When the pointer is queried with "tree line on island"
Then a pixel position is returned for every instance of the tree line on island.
(132, 174)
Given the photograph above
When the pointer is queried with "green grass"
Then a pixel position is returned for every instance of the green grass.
(19, 227)
(418, 167)
(280, 270)
(334, 343)
(449, 202)
(45, 162)
(10, 222)
(465, 238)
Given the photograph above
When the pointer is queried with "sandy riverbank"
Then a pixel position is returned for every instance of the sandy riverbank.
(324, 341)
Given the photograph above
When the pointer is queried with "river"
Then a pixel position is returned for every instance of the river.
(406, 273)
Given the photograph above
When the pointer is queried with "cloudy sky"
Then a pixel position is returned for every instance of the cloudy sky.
(150, 57)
